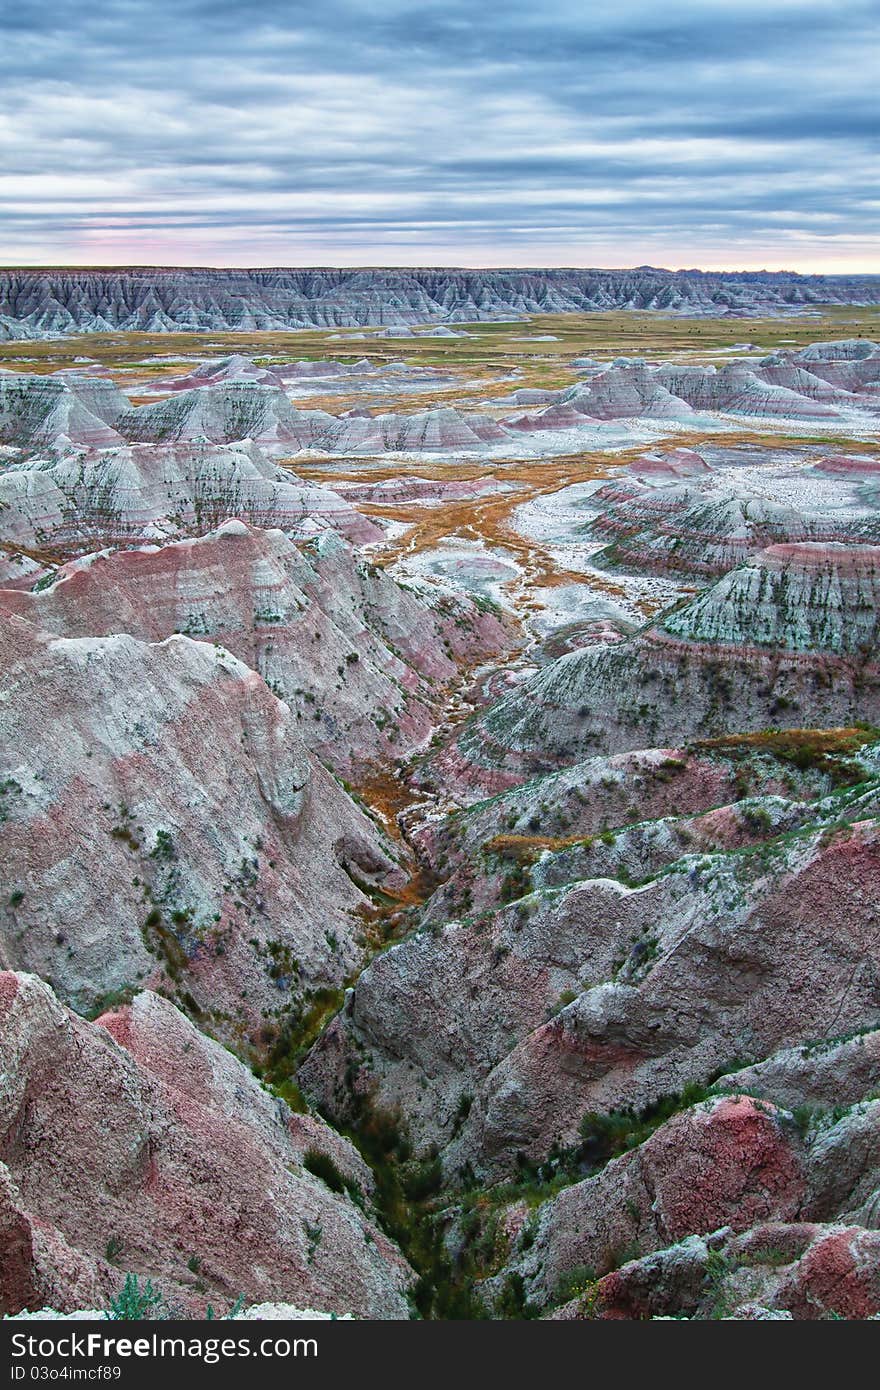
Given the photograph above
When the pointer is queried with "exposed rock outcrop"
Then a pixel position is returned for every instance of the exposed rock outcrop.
(137, 1144)
(36, 303)
(79, 502)
(163, 822)
(48, 410)
(778, 387)
(809, 658)
(592, 994)
(806, 598)
(681, 529)
(361, 661)
(223, 412)
(716, 1215)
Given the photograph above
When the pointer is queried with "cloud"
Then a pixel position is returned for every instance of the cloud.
(371, 131)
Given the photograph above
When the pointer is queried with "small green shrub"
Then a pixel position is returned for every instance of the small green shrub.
(512, 1302)
(133, 1303)
(323, 1167)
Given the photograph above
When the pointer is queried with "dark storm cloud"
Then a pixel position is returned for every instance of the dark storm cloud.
(379, 130)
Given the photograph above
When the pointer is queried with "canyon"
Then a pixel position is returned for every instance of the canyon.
(440, 794)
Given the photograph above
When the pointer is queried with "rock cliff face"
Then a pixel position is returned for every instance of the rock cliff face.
(626, 965)
(779, 387)
(806, 598)
(726, 1211)
(136, 1143)
(46, 410)
(361, 661)
(37, 303)
(89, 500)
(163, 822)
(808, 656)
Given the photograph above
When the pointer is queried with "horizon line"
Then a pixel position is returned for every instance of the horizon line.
(440, 266)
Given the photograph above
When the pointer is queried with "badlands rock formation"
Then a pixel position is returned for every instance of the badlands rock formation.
(777, 387)
(704, 528)
(48, 410)
(408, 489)
(805, 598)
(854, 467)
(728, 1210)
(40, 303)
(163, 823)
(595, 985)
(667, 467)
(224, 412)
(627, 959)
(811, 659)
(361, 661)
(60, 506)
(678, 528)
(428, 431)
(237, 368)
(233, 400)
(135, 1143)
(217, 371)
(222, 407)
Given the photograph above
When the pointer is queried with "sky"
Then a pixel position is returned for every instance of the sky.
(441, 132)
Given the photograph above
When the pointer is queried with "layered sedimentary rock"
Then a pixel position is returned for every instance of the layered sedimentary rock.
(46, 410)
(739, 389)
(233, 399)
(389, 491)
(360, 660)
(237, 367)
(621, 1050)
(224, 412)
(442, 428)
(669, 466)
(704, 527)
(136, 1144)
(728, 1210)
(86, 501)
(778, 387)
(806, 1150)
(806, 598)
(618, 393)
(679, 528)
(626, 967)
(234, 410)
(842, 350)
(783, 1271)
(34, 303)
(662, 686)
(220, 404)
(218, 370)
(853, 467)
(163, 823)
